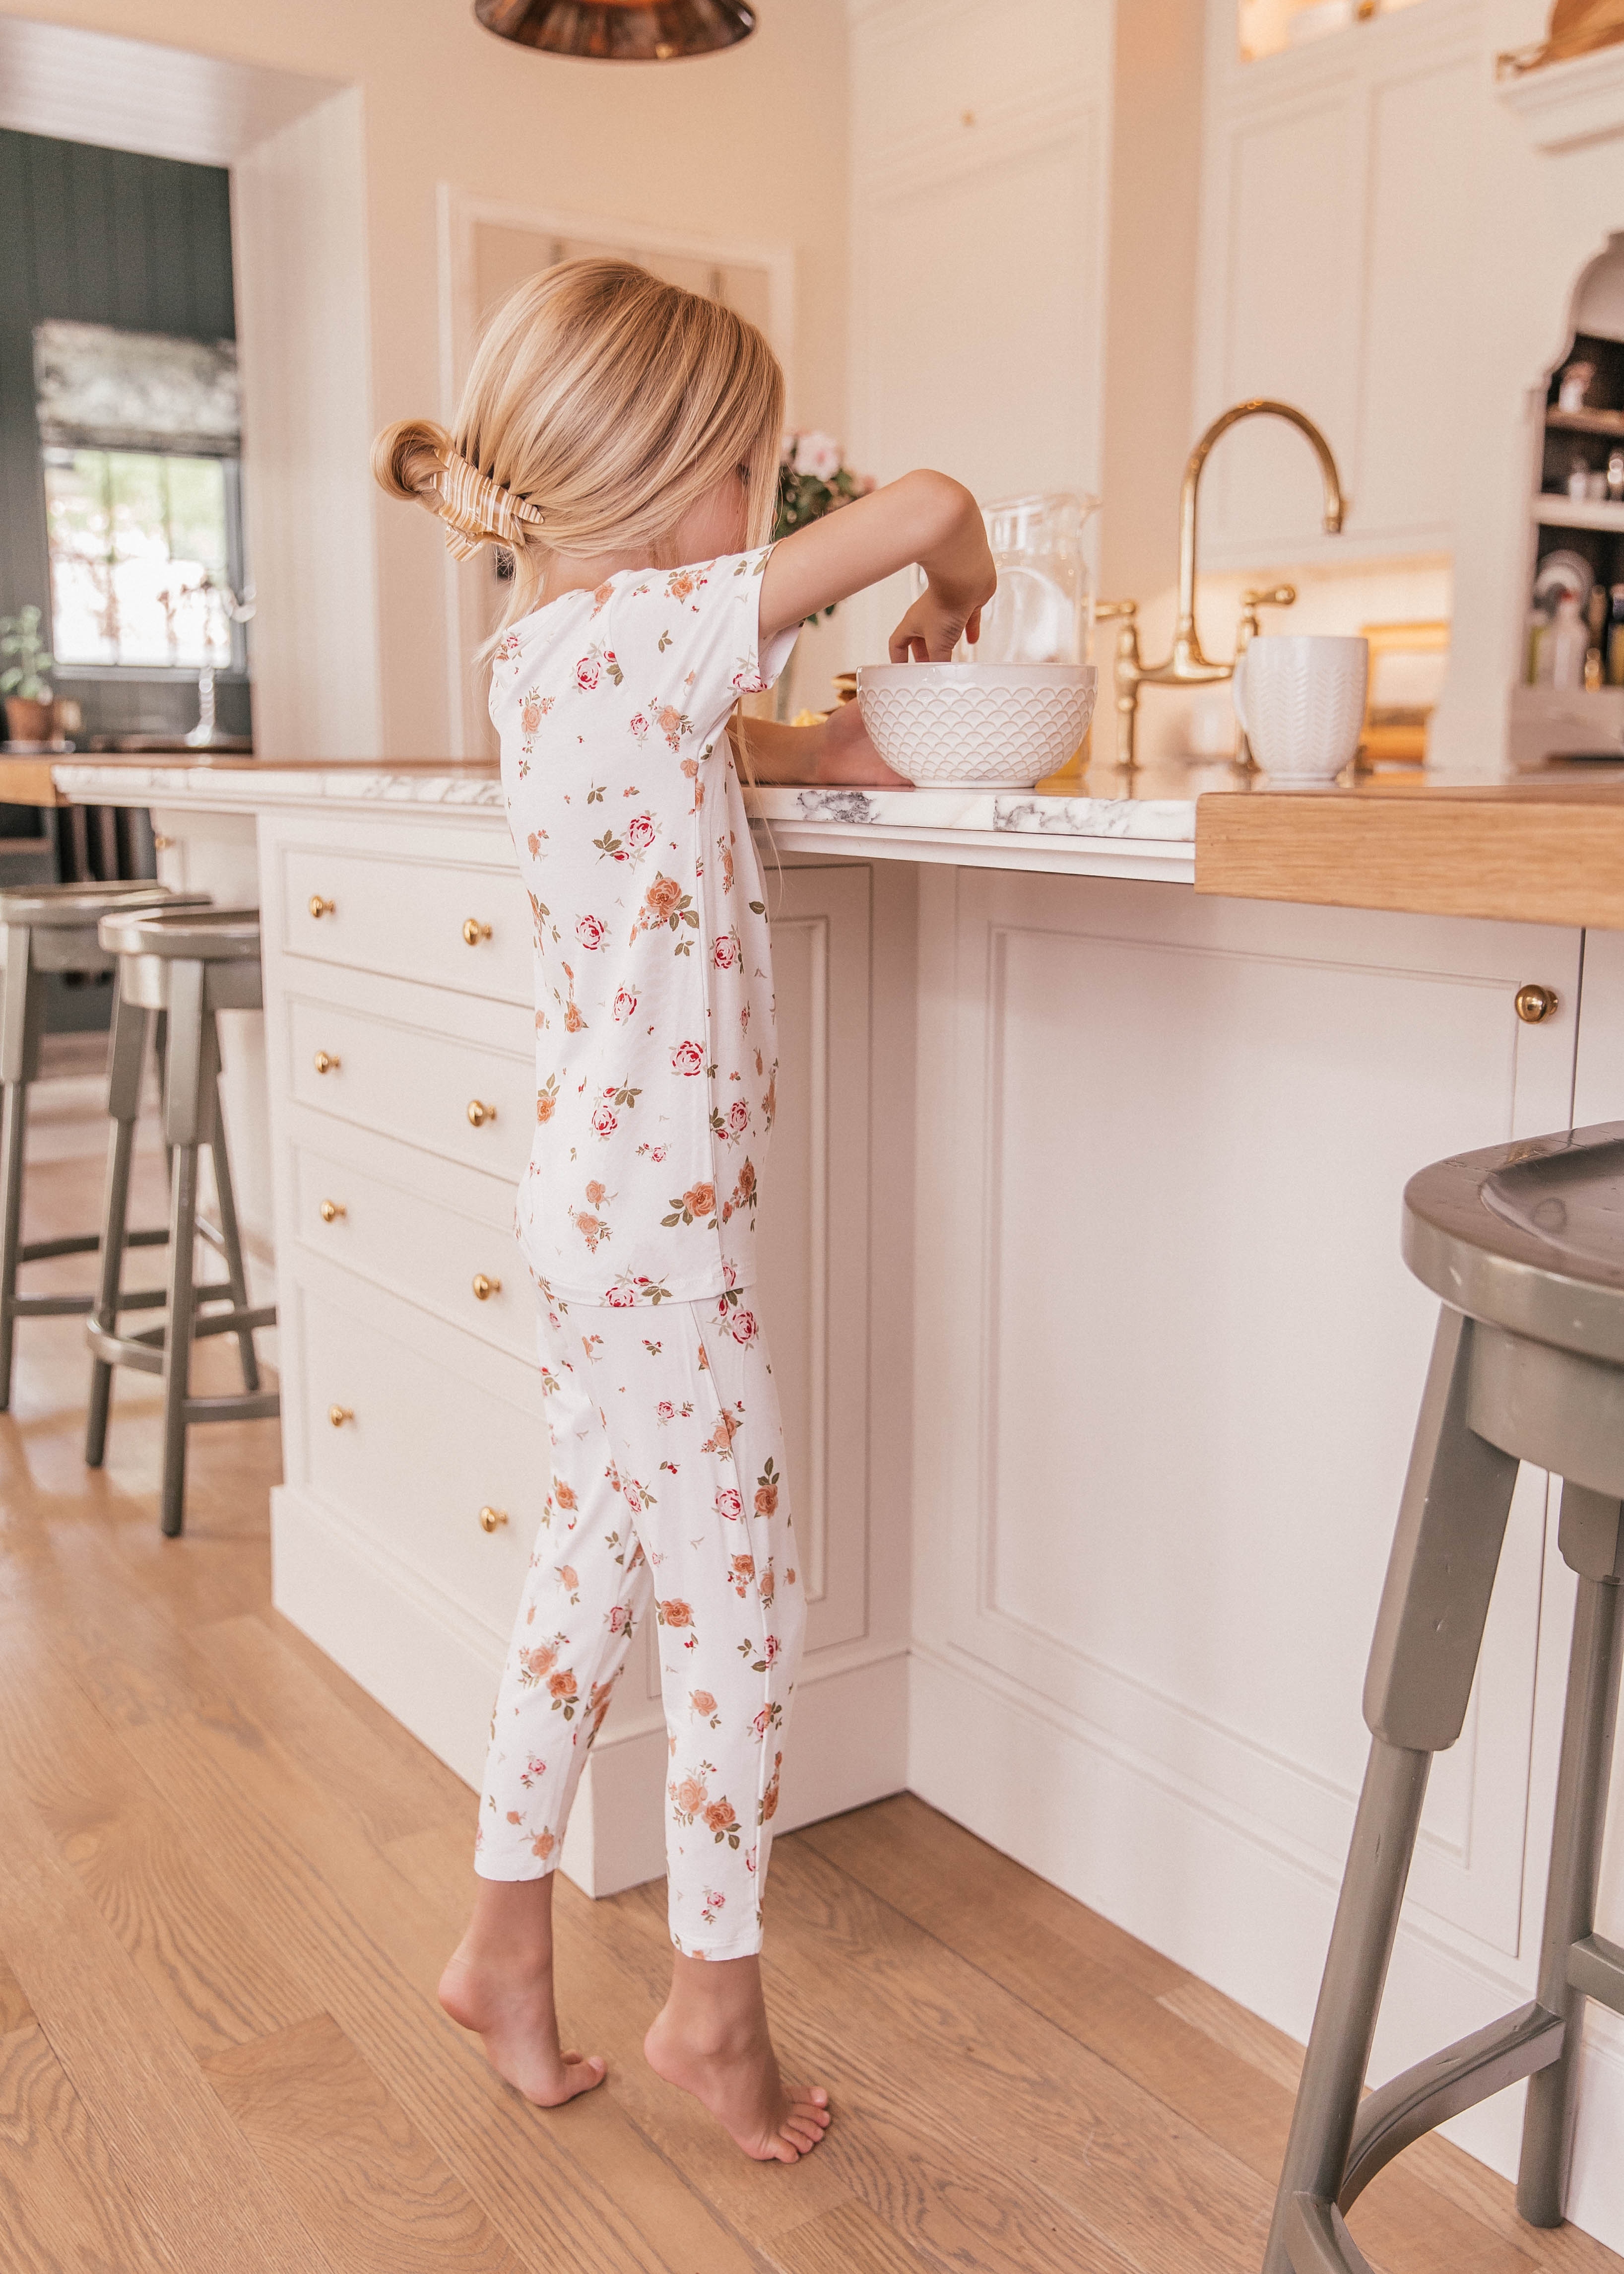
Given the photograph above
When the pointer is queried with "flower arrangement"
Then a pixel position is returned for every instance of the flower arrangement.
(812, 481)
(19, 636)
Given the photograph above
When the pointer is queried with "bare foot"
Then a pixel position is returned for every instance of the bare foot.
(498, 1982)
(719, 2049)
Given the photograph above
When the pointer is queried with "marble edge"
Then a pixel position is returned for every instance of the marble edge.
(1004, 812)
(271, 785)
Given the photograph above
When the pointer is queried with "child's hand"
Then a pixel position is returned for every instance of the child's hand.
(846, 755)
(934, 625)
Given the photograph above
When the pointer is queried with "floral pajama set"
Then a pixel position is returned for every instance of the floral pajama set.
(655, 1088)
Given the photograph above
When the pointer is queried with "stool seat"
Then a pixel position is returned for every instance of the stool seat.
(1528, 1237)
(152, 944)
(61, 920)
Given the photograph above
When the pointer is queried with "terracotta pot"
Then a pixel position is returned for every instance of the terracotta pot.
(29, 722)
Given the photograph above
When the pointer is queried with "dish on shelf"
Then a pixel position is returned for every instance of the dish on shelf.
(993, 726)
(1563, 571)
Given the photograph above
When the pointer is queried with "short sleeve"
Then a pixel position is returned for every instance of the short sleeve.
(705, 625)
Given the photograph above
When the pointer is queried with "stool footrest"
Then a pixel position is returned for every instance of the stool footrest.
(75, 1243)
(1441, 2086)
(238, 1405)
(145, 1350)
(1596, 1967)
(232, 1323)
(50, 1306)
(1318, 2240)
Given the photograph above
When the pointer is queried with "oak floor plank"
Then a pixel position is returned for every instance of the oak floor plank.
(173, 1911)
(15, 2011)
(61, 2204)
(385, 1789)
(842, 2240)
(363, 2179)
(567, 2187)
(187, 2168)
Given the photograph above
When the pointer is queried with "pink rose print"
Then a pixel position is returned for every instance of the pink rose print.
(640, 833)
(590, 931)
(738, 1118)
(625, 1005)
(688, 1058)
(728, 1504)
(606, 1121)
(586, 673)
(618, 1618)
(640, 726)
(742, 1326)
(770, 1648)
(665, 1411)
(620, 1298)
(724, 953)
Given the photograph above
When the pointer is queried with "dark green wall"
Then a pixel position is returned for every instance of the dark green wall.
(100, 237)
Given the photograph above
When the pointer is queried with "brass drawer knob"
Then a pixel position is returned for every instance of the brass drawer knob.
(491, 1518)
(319, 908)
(331, 1210)
(479, 1113)
(325, 1063)
(474, 931)
(339, 1414)
(160, 843)
(485, 1287)
(1534, 1003)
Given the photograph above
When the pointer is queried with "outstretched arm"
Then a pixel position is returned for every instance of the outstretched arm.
(925, 517)
(837, 754)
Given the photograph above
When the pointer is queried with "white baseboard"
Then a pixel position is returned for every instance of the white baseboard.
(436, 1671)
(1239, 1914)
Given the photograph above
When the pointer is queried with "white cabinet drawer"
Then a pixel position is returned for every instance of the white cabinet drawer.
(406, 917)
(416, 1453)
(464, 1100)
(432, 1253)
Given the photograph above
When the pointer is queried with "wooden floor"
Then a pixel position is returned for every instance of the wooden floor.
(228, 1882)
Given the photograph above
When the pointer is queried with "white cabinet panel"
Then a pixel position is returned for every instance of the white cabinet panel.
(1178, 1411)
(406, 917)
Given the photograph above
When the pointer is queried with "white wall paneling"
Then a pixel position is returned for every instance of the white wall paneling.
(1338, 221)
(1161, 1442)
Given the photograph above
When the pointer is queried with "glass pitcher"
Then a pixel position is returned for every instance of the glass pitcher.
(1042, 610)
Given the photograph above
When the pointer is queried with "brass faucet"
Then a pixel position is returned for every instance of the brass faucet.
(1187, 666)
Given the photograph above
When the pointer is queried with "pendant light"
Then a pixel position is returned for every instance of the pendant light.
(619, 31)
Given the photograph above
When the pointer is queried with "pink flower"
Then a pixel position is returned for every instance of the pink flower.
(624, 1003)
(621, 1298)
(605, 1119)
(665, 1411)
(729, 1504)
(590, 931)
(586, 673)
(770, 1648)
(640, 832)
(620, 1618)
(817, 454)
(688, 1058)
(640, 725)
(725, 954)
(742, 1326)
(738, 1117)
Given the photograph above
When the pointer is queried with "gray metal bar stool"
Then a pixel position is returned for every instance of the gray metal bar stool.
(188, 964)
(46, 927)
(1525, 1245)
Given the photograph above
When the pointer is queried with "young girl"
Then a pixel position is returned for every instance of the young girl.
(619, 438)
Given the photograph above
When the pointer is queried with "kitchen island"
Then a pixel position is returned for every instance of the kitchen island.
(1080, 1264)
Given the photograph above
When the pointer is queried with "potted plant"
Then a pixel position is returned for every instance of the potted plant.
(30, 698)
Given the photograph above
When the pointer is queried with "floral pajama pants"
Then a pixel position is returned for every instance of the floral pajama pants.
(666, 1492)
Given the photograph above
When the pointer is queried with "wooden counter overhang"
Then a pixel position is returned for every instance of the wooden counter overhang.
(1549, 851)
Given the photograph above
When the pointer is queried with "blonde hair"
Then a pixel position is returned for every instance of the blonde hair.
(602, 405)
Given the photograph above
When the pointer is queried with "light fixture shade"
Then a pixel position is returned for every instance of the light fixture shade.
(619, 31)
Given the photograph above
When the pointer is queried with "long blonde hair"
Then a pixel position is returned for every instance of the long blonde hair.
(601, 406)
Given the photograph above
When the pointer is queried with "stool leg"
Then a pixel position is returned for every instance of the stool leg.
(21, 1015)
(1423, 1653)
(126, 1062)
(236, 1276)
(191, 1075)
(1591, 1542)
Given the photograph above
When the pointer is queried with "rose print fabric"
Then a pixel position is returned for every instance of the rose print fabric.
(667, 1498)
(655, 1054)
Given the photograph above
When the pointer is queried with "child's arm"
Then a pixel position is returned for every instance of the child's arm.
(835, 755)
(925, 517)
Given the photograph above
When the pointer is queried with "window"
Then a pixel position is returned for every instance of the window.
(140, 556)
(139, 442)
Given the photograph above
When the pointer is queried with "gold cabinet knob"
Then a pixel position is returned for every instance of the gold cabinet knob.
(474, 931)
(331, 1210)
(485, 1287)
(319, 908)
(325, 1063)
(160, 843)
(339, 1414)
(479, 1113)
(492, 1518)
(1534, 1002)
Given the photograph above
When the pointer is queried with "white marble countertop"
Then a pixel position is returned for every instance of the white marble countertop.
(1147, 835)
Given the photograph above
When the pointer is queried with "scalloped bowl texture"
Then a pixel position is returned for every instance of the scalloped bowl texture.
(976, 725)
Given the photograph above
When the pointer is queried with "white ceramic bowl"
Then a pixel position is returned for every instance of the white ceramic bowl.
(993, 726)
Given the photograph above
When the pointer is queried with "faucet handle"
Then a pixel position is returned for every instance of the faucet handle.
(1278, 596)
(1105, 610)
